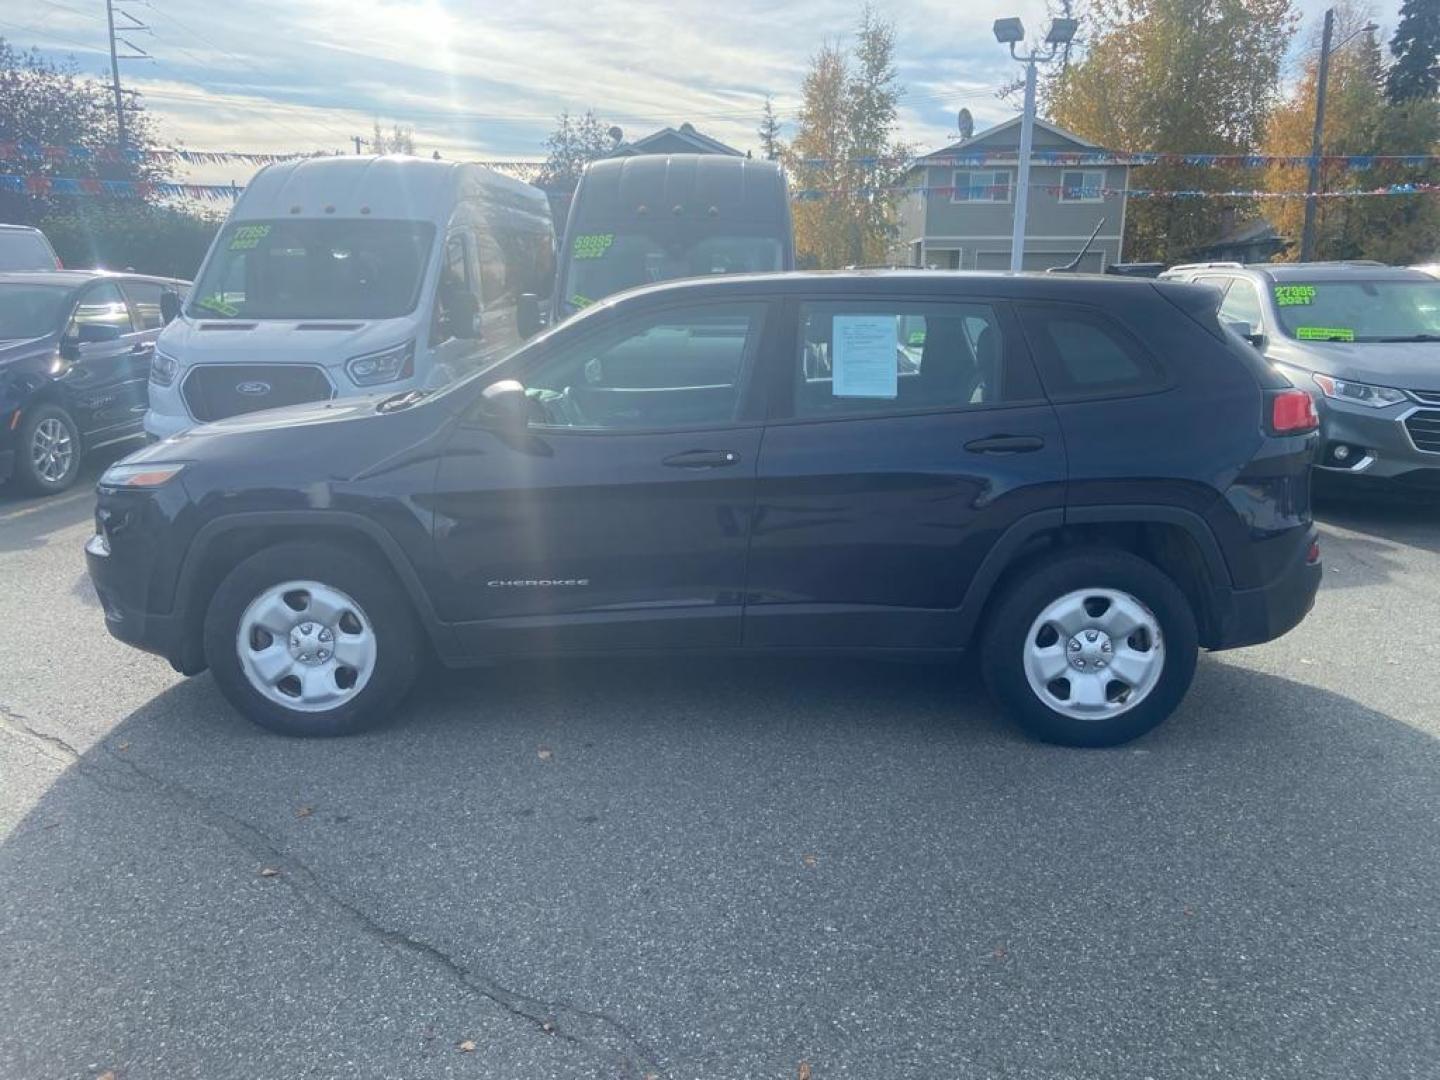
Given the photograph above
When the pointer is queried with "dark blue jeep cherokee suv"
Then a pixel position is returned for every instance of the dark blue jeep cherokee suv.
(1087, 479)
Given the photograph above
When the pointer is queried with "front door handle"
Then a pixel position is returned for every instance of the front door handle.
(702, 459)
(1006, 444)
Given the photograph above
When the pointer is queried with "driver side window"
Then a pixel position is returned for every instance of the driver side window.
(100, 305)
(674, 369)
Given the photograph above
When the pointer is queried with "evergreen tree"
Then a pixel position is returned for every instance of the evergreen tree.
(769, 132)
(1416, 48)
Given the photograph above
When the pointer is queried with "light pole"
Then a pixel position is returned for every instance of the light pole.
(1312, 186)
(1011, 32)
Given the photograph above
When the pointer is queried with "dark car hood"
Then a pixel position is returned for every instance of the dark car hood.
(1405, 365)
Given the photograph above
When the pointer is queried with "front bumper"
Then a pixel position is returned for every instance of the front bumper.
(1252, 616)
(146, 630)
(1381, 446)
(7, 465)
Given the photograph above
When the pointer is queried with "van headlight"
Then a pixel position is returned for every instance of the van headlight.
(382, 367)
(162, 368)
(1377, 397)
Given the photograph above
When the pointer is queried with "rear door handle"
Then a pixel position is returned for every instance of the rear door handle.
(1006, 444)
(702, 459)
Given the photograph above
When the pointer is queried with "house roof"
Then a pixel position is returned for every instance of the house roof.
(695, 142)
(978, 142)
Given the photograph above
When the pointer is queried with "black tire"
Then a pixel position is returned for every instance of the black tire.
(399, 646)
(27, 474)
(1048, 579)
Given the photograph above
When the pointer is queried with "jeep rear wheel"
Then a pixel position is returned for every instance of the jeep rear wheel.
(1093, 648)
(312, 639)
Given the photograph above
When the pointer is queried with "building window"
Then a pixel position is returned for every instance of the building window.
(984, 185)
(1078, 185)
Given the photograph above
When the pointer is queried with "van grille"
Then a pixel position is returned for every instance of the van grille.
(214, 391)
(1429, 397)
(1424, 428)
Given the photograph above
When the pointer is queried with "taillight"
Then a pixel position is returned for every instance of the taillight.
(1292, 412)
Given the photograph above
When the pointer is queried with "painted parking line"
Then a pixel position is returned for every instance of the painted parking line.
(48, 504)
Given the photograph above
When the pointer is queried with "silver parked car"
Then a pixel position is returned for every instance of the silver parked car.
(1364, 339)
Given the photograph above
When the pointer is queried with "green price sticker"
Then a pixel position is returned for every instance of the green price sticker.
(1324, 333)
(218, 304)
(917, 338)
(592, 245)
(1294, 295)
(248, 237)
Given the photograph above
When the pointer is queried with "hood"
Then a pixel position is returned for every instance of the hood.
(1404, 365)
(12, 349)
(291, 417)
(326, 342)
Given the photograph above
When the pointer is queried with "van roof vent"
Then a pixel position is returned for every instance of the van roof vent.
(228, 325)
(328, 326)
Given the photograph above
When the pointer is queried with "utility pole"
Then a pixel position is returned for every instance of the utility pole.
(136, 53)
(1307, 235)
(357, 140)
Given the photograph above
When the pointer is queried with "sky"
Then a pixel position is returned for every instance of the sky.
(486, 80)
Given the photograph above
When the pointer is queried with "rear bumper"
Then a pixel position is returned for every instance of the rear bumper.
(1252, 616)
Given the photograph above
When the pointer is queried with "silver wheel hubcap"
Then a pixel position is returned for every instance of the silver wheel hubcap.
(51, 449)
(306, 646)
(1094, 654)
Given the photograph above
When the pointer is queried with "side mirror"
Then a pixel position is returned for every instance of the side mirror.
(96, 333)
(505, 407)
(462, 317)
(169, 306)
(1249, 333)
(528, 320)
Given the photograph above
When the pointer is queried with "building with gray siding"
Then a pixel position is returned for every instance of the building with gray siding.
(963, 219)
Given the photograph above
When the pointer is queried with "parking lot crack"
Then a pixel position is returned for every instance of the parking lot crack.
(20, 726)
(592, 1030)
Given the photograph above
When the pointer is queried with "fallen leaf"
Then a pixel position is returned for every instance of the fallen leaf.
(269, 871)
(1000, 952)
(808, 860)
(305, 811)
(122, 747)
(546, 754)
(466, 1046)
(1189, 910)
(803, 1073)
(548, 1027)
(108, 1074)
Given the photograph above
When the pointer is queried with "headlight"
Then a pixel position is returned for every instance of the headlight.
(162, 368)
(1377, 397)
(382, 367)
(140, 475)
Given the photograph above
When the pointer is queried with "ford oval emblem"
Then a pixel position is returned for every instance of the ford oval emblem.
(254, 388)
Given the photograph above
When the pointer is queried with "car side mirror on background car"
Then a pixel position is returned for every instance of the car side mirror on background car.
(1249, 333)
(462, 317)
(169, 306)
(505, 407)
(527, 315)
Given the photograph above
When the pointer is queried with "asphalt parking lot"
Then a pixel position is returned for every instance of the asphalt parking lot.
(722, 870)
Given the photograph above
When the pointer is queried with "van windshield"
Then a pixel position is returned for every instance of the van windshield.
(333, 269)
(604, 261)
(1359, 310)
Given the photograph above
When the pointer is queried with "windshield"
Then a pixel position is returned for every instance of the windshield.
(1359, 310)
(607, 261)
(23, 250)
(340, 269)
(28, 311)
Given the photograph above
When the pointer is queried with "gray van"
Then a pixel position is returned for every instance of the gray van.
(1364, 339)
(655, 217)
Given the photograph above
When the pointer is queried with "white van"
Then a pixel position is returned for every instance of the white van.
(341, 276)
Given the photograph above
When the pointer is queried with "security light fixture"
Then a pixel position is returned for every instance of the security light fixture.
(1009, 31)
(1062, 31)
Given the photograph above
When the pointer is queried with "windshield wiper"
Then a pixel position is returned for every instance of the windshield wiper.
(1409, 337)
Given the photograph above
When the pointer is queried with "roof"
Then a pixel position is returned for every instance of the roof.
(699, 185)
(393, 187)
(72, 278)
(901, 282)
(685, 134)
(977, 141)
(5, 227)
(1337, 271)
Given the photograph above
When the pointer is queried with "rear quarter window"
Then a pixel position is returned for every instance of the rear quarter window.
(1083, 353)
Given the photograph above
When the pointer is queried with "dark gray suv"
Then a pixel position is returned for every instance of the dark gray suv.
(1364, 339)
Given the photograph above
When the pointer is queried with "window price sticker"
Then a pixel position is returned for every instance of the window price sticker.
(1294, 295)
(592, 245)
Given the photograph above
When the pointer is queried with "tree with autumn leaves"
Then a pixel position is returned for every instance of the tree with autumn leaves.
(845, 160)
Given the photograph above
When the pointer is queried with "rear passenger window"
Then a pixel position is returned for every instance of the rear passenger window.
(1083, 353)
(865, 358)
(145, 296)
